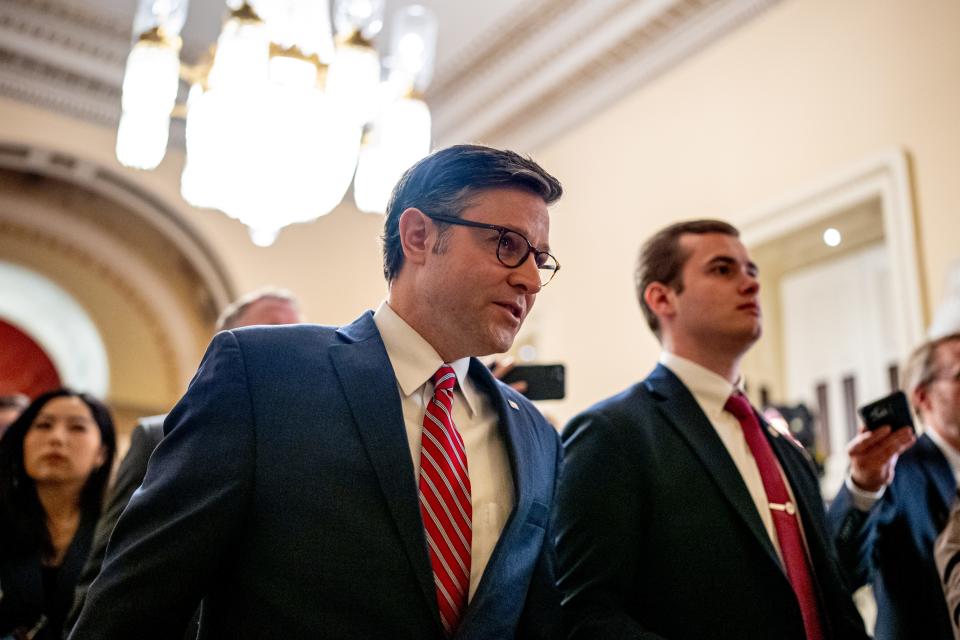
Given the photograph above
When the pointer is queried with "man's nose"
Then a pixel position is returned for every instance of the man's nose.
(751, 283)
(527, 275)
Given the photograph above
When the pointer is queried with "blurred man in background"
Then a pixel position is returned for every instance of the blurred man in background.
(895, 501)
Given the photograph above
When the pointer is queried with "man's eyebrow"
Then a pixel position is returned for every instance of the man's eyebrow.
(721, 260)
(524, 234)
(730, 260)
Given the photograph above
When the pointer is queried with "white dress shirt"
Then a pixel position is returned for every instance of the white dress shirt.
(711, 392)
(491, 482)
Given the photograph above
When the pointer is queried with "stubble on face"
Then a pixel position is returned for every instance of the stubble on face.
(479, 304)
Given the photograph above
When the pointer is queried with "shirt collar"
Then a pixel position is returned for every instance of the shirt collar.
(708, 388)
(951, 454)
(414, 360)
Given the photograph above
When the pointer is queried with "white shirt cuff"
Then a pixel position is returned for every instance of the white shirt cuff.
(863, 499)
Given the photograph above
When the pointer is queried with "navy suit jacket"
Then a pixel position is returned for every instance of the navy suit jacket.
(892, 545)
(283, 493)
(144, 439)
(658, 536)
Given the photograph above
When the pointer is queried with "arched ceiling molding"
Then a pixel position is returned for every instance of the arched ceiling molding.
(59, 324)
(123, 269)
(111, 184)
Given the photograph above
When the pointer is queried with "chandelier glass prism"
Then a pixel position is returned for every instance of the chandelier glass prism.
(294, 103)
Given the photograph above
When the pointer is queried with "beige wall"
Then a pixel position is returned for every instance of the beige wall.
(808, 88)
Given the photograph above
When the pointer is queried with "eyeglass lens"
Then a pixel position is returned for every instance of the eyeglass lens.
(513, 249)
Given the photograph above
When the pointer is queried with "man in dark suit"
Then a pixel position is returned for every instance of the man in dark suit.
(266, 306)
(368, 481)
(886, 517)
(680, 513)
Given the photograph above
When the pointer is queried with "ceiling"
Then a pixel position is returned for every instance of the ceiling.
(509, 73)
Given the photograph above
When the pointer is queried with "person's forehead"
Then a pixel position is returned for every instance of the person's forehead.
(948, 352)
(514, 208)
(706, 245)
(264, 304)
(66, 405)
(270, 300)
(506, 201)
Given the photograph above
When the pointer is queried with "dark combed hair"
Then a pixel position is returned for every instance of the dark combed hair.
(662, 258)
(21, 513)
(444, 182)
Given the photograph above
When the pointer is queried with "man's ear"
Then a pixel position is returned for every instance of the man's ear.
(416, 235)
(660, 298)
(920, 400)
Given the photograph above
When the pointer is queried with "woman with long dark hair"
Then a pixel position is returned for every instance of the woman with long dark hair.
(55, 463)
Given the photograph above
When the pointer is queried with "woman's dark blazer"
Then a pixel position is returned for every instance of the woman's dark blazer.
(21, 584)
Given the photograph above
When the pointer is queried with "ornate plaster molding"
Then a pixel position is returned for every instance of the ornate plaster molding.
(542, 67)
(552, 69)
(59, 57)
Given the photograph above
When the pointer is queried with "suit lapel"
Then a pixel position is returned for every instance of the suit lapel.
(519, 448)
(680, 408)
(367, 379)
(516, 436)
(791, 461)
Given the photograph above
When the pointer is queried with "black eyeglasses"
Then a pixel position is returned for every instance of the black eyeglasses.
(512, 247)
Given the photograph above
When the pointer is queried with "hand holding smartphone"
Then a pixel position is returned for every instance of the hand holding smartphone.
(890, 411)
(544, 381)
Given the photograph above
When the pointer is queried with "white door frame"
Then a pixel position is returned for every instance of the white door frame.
(885, 176)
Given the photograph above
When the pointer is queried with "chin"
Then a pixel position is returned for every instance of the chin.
(500, 343)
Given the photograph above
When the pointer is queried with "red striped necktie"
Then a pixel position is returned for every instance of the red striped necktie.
(445, 501)
(784, 514)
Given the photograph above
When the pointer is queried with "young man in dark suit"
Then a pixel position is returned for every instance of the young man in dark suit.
(896, 499)
(681, 514)
(367, 481)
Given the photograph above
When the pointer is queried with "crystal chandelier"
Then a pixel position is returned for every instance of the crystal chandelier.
(287, 111)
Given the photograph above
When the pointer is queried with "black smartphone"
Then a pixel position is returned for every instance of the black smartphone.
(892, 410)
(544, 381)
